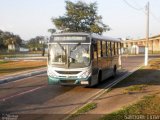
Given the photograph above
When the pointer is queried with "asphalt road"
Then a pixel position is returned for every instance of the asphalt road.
(33, 99)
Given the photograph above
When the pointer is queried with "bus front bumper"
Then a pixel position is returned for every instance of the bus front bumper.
(67, 81)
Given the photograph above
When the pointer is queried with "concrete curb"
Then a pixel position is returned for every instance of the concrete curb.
(18, 77)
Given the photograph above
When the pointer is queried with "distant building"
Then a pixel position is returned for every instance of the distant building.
(22, 49)
(138, 46)
(17, 48)
(13, 47)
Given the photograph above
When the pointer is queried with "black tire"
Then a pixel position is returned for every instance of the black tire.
(100, 77)
(114, 71)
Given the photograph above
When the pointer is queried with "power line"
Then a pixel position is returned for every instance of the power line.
(138, 4)
(154, 16)
(139, 9)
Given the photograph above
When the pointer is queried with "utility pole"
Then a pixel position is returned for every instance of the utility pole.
(147, 35)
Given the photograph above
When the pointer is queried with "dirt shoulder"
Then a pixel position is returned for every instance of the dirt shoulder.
(13, 67)
(130, 91)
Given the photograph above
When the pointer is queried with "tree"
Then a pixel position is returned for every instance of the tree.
(1, 39)
(36, 43)
(7, 38)
(80, 17)
(52, 30)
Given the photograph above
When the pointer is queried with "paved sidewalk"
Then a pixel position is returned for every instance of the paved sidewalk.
(21, 75)
(118, 98)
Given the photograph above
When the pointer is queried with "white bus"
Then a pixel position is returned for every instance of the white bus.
(82, 58)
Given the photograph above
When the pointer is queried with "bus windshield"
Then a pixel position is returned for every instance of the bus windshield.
(75, 55)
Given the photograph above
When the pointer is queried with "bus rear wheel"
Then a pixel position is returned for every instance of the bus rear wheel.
(99, 77)
(114, 71)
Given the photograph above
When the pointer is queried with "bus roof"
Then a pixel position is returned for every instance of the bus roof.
(93, 35)
(105, 38)
(72, 33)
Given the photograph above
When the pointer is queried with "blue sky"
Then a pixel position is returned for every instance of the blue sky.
(30, 18)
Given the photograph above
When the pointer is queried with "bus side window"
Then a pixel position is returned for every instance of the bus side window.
(111, 52)
(120, 46)
(99, 49)
(117, 48)
(109, 49)
(95, 51)
(113, 48)
(104, 48)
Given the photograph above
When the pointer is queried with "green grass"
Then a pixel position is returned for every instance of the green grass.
(148, 105)
(16, 55)
(18, 69)
(8, 67)
(86, 108)
(3, 62)
(134, 88)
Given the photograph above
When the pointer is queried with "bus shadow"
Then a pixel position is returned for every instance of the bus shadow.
(41, 108)
(110, 80)
(141, 77)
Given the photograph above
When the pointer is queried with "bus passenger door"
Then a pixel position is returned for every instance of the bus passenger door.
(108, 58)
(94, 64)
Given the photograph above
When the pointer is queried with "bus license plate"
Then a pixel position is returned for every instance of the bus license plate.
(84, 82)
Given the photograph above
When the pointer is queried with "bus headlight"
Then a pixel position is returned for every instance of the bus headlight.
(51, 73)
(85, 74)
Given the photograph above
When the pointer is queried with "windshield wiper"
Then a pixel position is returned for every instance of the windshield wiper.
(61, 46)
(75, 47)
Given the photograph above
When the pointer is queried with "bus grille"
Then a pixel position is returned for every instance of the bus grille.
(68, 72)
(71, 77)
(67, 81)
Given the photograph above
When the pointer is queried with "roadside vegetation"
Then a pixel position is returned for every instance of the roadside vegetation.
(135, 88)
(8, 38)
(21, 55)
(9, 67)
(149, 105)
(11, 44)
(83, 110)
(86, 19)
(2, 62)
(140, 81)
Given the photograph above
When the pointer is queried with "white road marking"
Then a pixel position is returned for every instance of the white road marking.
(22, 93)
(22, 79)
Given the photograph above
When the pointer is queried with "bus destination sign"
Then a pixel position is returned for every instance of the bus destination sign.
(69, 38)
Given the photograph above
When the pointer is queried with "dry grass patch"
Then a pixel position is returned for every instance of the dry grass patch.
(16, 66)
(88, 107)
(149, 105)
(135, 88)
(137, 82)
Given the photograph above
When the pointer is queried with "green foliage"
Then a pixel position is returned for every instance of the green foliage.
(135, 88)
(36, 43)
(3, 62)
(7, 38)
(51, 30)
(80, 17)
(86, 108)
